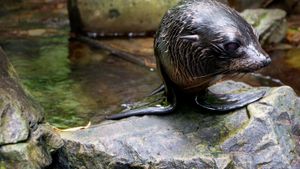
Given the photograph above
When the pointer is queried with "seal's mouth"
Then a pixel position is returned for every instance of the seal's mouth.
(248, 65)
(259, 65)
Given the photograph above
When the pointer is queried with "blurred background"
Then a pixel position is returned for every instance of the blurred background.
(82, 59)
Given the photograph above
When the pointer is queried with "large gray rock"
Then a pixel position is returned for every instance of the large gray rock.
(35, 153)
(270, 24)
(25, 141)
(265, 134)
(18, 112)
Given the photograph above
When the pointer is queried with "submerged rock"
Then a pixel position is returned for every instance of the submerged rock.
(25, 141)
(262, 135)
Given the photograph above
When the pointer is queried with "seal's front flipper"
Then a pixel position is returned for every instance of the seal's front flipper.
(158, 90)
(155, 104)
(231, 101)
(159, 110)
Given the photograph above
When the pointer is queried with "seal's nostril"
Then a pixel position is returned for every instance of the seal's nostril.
(267, 61)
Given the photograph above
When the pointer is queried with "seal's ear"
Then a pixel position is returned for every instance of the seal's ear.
(190, 37)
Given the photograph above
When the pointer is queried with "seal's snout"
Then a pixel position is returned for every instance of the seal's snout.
(264, 59)
(256, 57)
(267, 61)
(251, 61)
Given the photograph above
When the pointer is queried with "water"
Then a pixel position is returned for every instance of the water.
(284, 70)
(73, 82)
(76, 94)
(286, 67)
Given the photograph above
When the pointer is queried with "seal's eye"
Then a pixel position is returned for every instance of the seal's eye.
(231, 46)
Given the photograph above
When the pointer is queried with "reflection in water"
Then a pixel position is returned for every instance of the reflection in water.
(94, 85)
(284, 70)
(286, 67)
(72, 91)
(111, 81)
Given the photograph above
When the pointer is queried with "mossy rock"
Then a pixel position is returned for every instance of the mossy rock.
(25, 140)
(19, 113)
(262, 135)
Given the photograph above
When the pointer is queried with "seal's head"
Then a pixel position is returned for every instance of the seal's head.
(199, 39)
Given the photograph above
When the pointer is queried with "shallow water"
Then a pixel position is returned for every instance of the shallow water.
(285, 67)
(76, 83)
(284, 70)
(76, 94)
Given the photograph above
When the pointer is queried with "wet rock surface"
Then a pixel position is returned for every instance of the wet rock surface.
(25, 141)
(270, 24)
(262, 135)
(33, 153)
(19, 114)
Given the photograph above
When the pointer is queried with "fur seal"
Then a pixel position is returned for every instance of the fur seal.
(198, 40)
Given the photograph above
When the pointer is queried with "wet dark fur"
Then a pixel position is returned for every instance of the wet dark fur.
(191, 49)
(191, 62)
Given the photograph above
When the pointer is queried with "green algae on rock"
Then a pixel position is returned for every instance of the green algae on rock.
(35, 153)
(19, 113)
(25, 142)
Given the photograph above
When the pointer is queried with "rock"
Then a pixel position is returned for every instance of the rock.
(35, 153)
(270, 24)
(117, 16)
(291, 6)
(25, 141)
(18, 112)
(262, 135)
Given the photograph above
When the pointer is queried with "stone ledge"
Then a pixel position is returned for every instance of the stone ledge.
(257, 136)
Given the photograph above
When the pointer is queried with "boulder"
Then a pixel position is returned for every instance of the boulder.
(265, 134)
(270, 24)
(18, 112)
(34, 153)
(117, 17)
(25, 140)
